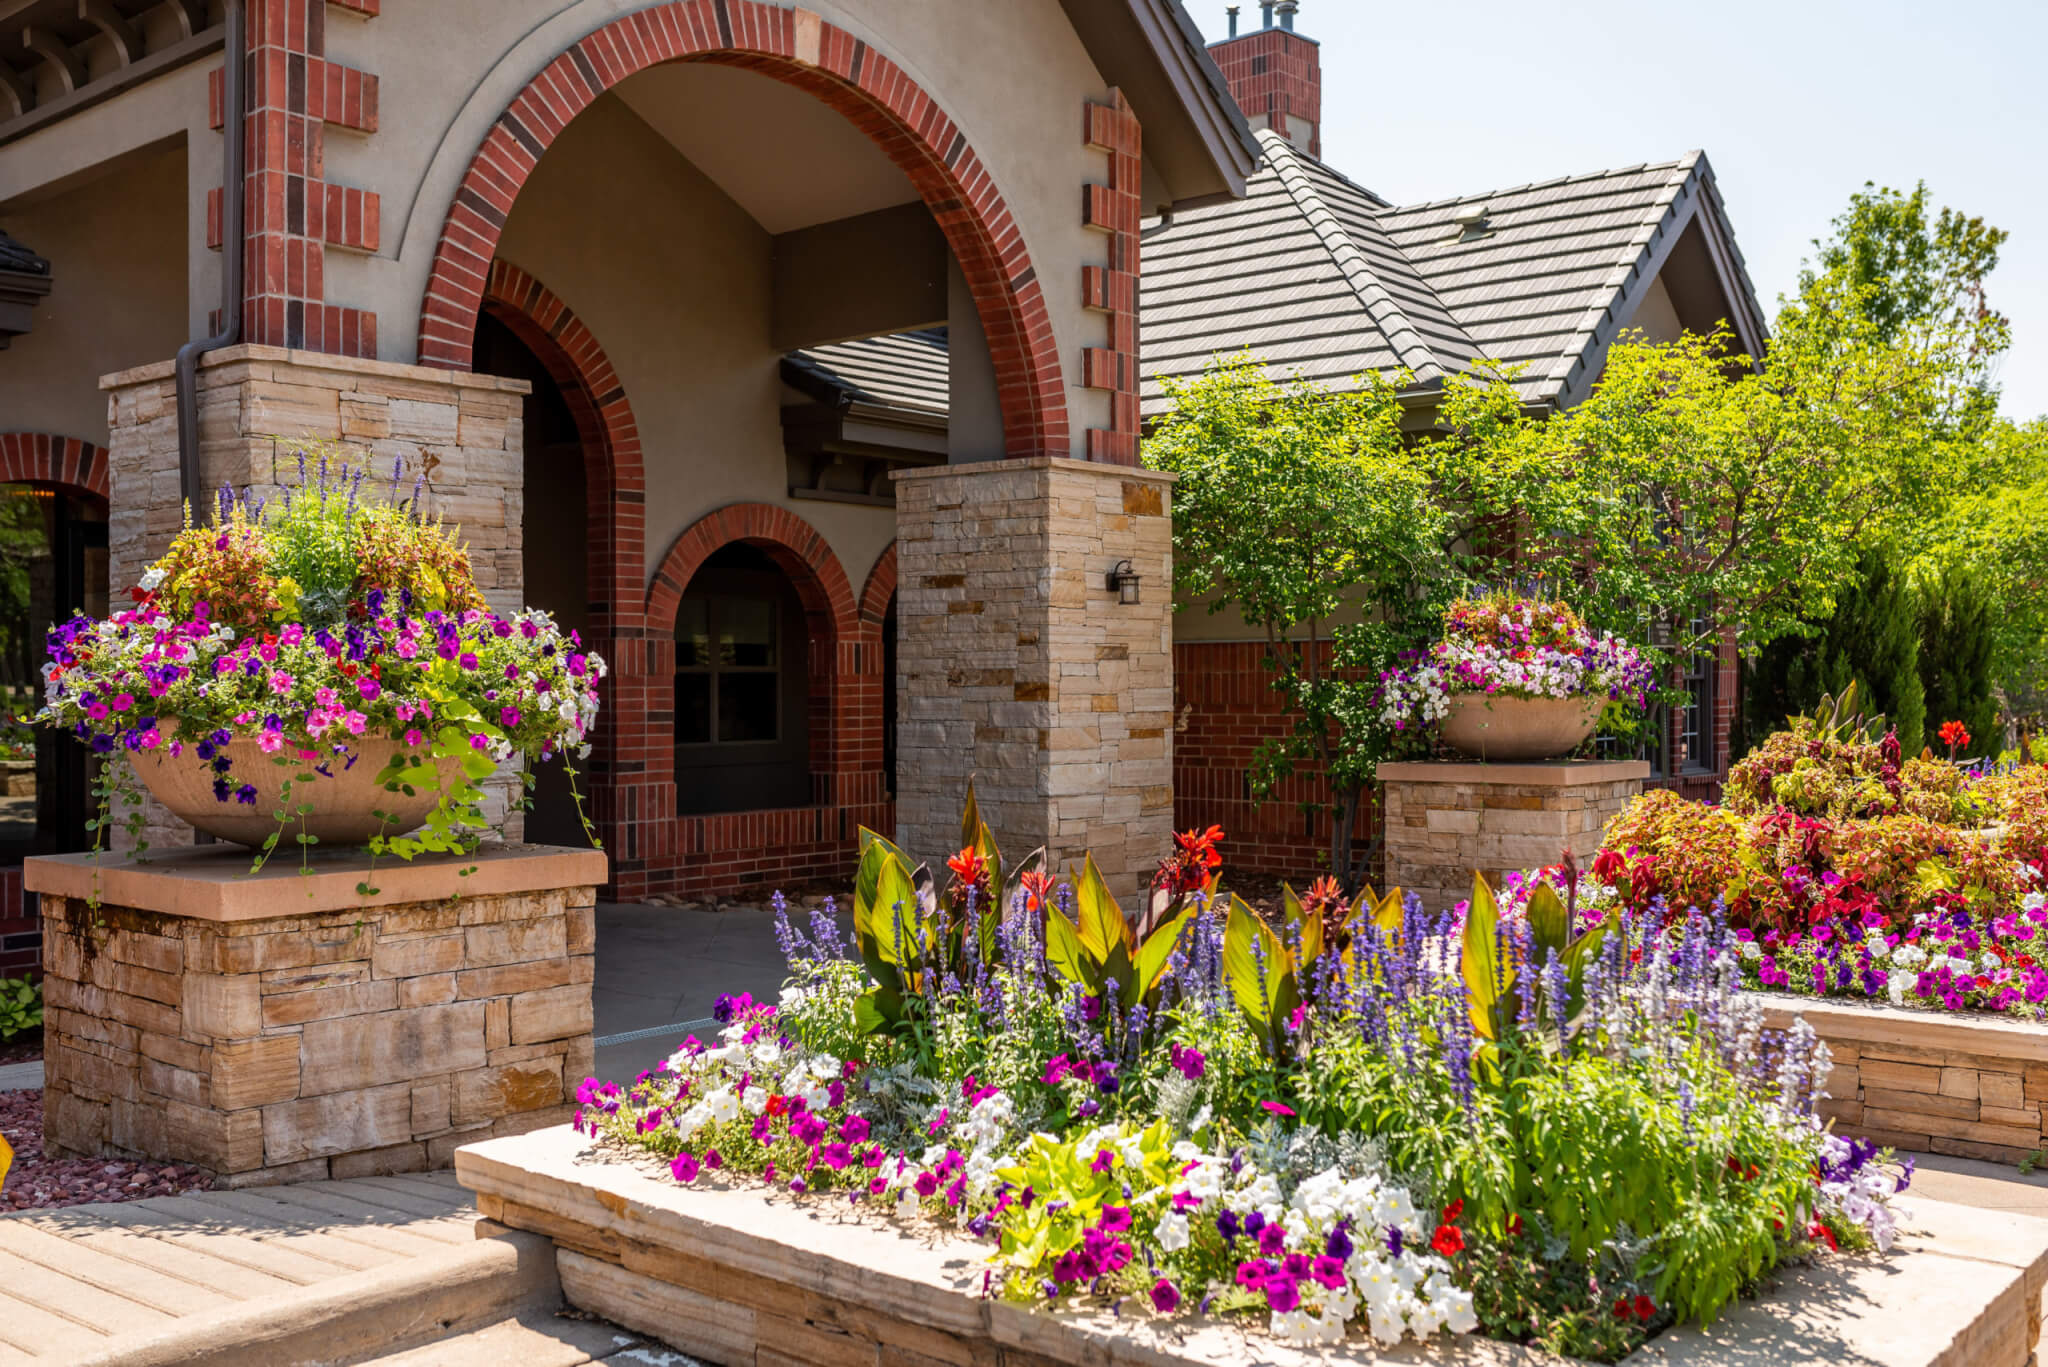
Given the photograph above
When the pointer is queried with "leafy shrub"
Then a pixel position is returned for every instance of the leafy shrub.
(21, 1007)
(1688, 852)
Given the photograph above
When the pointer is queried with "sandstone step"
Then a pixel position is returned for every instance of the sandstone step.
(442, 1294)
(539, 1339)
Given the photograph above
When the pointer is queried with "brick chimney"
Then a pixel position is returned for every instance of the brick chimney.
(1276, 75)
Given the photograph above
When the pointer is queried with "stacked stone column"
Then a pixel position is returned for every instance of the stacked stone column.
(1020, 669)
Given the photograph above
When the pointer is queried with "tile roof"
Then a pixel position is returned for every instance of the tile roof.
(1320, 276)
(901, 370)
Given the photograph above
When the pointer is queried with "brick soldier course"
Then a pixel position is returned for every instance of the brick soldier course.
(1447, 820)
(1022, 671)
(281, 1028)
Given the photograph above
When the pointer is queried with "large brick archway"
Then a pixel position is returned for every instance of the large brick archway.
(803, 50)
(722, 851)
(615, 522)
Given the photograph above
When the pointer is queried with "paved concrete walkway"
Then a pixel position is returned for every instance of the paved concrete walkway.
(21, 1077)
(659, 967)
(76, 1283)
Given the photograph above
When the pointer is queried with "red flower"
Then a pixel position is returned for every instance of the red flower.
(1819, 1231)
(1645, 1307)
(1200, 847)
(1954, 735)
(1325, 895)
(1448, 1240)
(1622, 1309)
(969, 865)
(1038, 886)
(1454, 1211)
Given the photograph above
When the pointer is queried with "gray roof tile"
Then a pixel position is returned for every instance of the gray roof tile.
(900, 370)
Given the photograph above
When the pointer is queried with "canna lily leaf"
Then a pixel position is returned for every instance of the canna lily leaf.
(1157, 950)
(1101, 919)
(1488, 977)
(895, 918)
(1067, 955)
(1548, 921)
(1260, 970)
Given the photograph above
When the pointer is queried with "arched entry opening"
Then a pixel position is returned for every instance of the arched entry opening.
(779, 239)
(742, 687)
(556, 549)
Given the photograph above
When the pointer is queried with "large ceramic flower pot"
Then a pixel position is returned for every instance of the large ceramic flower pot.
(1495, 727)
(344, 805)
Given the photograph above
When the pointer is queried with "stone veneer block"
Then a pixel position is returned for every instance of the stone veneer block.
(1447, 820)
(461, 435)
(1022, 671)
(1935, 1082)
(283, 1026)
(731, 1274)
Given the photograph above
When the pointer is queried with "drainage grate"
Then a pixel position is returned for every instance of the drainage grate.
(656, 1031)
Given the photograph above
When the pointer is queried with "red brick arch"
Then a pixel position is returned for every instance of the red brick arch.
(797, 47)
(615, 522)
(38, 457)
(881, 587)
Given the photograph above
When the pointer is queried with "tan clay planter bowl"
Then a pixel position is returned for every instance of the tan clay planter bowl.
(343, 805)
(1505, 728)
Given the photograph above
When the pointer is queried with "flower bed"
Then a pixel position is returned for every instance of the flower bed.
(731, 1274)
(1852, 873)
(1354, 1118)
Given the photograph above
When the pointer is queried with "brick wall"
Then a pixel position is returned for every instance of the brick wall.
(1224, 706)
(21, 929)
(1115, 209)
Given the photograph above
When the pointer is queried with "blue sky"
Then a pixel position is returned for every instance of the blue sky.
(1797, 103)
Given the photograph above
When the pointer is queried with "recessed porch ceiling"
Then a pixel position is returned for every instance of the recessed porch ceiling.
(779, 153)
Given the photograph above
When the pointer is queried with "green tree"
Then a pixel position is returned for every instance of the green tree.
(1873, 638)
(1895, 270)
(1309, 513)
(1957, 649)
(1724, 495)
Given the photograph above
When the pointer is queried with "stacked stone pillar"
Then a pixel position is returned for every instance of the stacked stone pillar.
(1447, 820)
(1020, 669)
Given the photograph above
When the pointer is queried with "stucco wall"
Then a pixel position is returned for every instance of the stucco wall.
(1012, 75)
(116, 241)
(674, 280)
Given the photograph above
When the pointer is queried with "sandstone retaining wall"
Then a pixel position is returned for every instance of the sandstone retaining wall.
(343, 1040)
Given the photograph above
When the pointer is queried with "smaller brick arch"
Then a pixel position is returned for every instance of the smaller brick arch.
(832, 625)
(39, 457)
(880, 589)
(794, 544)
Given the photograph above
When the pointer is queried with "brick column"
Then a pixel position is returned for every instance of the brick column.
(1447, 820)
(291, 214)
(1019, 668)
(1115, 209)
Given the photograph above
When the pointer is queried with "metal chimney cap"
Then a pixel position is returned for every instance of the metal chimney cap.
(1287, 10)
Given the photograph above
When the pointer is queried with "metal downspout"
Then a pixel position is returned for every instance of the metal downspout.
(233, 128)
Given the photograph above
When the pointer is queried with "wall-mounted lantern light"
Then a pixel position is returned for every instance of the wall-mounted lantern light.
(1123, 581)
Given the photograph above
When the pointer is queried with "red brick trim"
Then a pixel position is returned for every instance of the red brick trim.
(1115, 209)
(292, 214)
(38, 457)
(615, 560)
(797, 47)
(875, 596)
(793, 543)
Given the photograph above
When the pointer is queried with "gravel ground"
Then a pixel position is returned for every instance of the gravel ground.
(34, 1183)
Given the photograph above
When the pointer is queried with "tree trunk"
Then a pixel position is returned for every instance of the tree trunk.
(1343, 815)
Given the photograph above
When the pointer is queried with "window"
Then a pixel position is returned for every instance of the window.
(1693, 750)
(728, 671)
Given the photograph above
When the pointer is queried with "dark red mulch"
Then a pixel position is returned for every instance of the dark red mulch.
(34, 1183)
